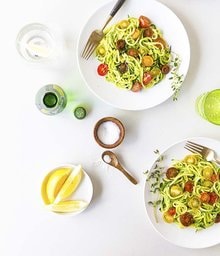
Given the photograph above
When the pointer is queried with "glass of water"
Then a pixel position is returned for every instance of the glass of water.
(35, 42)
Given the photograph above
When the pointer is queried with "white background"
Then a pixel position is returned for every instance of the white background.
(115, 223)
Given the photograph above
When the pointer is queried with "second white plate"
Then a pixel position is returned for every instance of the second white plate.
(175, 34)
(184, 237)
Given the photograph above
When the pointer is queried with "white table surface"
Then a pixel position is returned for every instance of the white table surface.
(115, 223)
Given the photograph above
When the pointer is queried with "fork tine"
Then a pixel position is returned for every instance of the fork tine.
(195, 144)
(90, 51)
(88, 44)
(190, 149)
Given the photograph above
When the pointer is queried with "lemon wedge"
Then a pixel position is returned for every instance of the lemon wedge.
(70, 184)
(55, 181)
(68, 206)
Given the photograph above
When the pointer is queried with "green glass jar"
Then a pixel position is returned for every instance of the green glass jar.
(51, 99)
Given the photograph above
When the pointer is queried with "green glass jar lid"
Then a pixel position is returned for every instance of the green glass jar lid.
(50, 99)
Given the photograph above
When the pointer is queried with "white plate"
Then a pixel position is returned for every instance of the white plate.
(84, 191)
(185, 237)
(173, 31)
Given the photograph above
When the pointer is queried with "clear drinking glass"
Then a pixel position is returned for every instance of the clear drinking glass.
(35, 42)
(208, 106)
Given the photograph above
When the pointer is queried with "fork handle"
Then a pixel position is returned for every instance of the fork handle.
(116, 7)
(217, 161)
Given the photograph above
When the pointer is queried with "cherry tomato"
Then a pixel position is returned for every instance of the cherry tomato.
(122, 68)
(172, 211)
(205, 197)
(175, 190)
(136, 87)
(101, 51)
(147, 61)
(188, 186)
(190, 159)
(194, 202)
(147, 77)
(165, 69)
(213, 197)
(214, 177)
(144, 22)
(207, 172)
(136, 34)
(120, 44)
(148, 32)
(171, 172)
(124, 24)
(132, 52)
(155, 71)
(186, 219)
(102, 69)
(168, 218)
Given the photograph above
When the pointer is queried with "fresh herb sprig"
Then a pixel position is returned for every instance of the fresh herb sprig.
(176, 78)
(155, 178)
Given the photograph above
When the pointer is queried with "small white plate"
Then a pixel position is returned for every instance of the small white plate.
(185, 237)
(175, 34)
(83, 192)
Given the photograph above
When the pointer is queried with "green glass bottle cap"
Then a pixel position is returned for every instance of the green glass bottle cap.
(50, 99)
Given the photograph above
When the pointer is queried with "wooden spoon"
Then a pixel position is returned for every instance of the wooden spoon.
(110, 158)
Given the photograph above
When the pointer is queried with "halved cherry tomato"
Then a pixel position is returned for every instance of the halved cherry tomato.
(168, 218)
(205, 197)
(144, 22)
(207, 172)
(175, 190)
(188, 186)
(147, 61)
(213, 197)
(165, 69)
(186, 219)
(136, 34)
(194, 202)
(148, 32)
(133, 52)
(172, 211)
(147, 77)
(171, 172)
(102, 69)
(124, 24)
(214, 177)
(136, 87)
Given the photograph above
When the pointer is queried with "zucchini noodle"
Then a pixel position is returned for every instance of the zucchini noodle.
(201, 201)
(108, 53)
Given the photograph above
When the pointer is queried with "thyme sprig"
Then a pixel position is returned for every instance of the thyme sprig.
(154, 177)
(176, 78)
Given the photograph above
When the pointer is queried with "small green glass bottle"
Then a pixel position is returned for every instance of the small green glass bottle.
(51, 99)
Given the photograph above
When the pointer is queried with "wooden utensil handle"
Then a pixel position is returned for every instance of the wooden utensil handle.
(116, 7)
(131, 178)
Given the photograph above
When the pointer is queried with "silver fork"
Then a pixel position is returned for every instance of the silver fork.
(207, 153)
(97, 35)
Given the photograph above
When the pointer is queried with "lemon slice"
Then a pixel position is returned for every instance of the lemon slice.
(70, 184)
(68, 206)
(55, 181)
